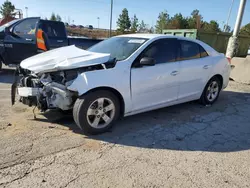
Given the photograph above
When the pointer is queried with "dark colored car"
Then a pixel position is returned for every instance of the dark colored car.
(18, 39)
(89, 27)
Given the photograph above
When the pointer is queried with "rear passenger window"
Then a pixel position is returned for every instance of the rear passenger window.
(189, 50)
(203, 52)
(54, 29)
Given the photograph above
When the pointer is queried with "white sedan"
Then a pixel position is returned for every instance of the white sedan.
(123, 76)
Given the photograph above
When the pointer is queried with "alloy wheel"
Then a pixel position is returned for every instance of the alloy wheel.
(100, 113)
(212, 91)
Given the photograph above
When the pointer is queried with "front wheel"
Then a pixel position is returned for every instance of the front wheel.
(211, 91)
(96, 112)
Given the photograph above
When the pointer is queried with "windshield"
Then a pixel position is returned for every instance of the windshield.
(7, 24)
(119, 48)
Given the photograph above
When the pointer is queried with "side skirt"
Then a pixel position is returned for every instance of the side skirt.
(161, 106)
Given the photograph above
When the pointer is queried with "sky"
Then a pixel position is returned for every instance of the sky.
(86, 12)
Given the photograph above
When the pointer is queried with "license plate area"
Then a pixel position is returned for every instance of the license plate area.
(27, 91)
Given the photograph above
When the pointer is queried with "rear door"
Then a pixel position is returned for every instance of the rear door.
(195, 69)
(55, 32)
(21, 43)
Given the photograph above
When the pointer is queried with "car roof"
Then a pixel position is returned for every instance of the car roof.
(149, 36)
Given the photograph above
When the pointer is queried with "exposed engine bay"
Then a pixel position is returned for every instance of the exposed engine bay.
(49, 90)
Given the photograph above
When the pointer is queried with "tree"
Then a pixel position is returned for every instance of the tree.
(142, 27)
(227, 28)
(53, 17)
(245, 30)
(162, 21)
(212, 26)
(195, 21)
(58, 18)
(134, 24)
(7, 9)
(195, 13)
(123, 21)
(178, 22)
(145, 28)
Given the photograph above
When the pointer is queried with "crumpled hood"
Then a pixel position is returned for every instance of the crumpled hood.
(64, 58)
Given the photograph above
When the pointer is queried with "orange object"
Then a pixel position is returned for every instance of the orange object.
(40, 40)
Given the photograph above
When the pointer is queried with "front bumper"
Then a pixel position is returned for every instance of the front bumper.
(28, 91)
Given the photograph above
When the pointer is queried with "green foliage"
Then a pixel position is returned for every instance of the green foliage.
(142, 27)
(53, 17)
(58, 18)
(162, 22)
(212, 26)
(178, 22)
(245, 30)
(7, 9)
(195, 20)
(123, 21)
(227, 28)
(134, 24)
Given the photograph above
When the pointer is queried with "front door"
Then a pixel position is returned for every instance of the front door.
(21, 43)
(158, 84)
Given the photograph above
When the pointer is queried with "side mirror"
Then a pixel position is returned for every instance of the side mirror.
(147, 61)
(7, 30)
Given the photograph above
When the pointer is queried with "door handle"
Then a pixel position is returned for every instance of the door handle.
(29, 39)
(60, 41)
(206, 67)
(174, 73)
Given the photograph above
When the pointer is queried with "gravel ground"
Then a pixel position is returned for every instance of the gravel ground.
(187, 145)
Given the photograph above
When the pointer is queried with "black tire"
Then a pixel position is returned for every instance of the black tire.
(204, 97)
(82, 105)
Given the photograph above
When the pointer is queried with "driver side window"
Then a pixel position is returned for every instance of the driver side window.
(162, 51)
(26, 27)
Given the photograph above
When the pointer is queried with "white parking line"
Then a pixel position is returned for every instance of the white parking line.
(5, 89)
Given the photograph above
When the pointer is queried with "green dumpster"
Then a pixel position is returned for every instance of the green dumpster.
(217, 40)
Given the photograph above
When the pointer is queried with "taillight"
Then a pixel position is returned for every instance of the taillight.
(229, 60)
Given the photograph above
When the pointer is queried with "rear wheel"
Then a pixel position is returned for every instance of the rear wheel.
(211, 91)
(96, 112)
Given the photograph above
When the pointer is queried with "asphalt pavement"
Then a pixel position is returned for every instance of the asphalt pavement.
(187, 145)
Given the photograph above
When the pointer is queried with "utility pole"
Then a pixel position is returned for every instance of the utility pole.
(233, 41)
(98, 20)
(228, 17)
(26, 8)
(111, 14)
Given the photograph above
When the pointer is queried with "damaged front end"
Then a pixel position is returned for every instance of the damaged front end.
(48, 90)
(43, 80)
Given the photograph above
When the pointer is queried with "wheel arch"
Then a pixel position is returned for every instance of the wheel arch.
(216, 75)
(115, 92)
(220, 77)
